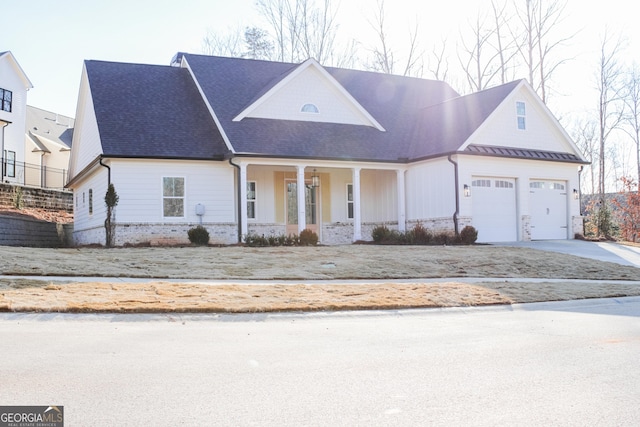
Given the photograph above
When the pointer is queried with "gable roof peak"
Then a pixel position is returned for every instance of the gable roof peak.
(7, 54)
(294, 72)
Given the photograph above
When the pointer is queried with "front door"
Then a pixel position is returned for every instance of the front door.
(311, 208)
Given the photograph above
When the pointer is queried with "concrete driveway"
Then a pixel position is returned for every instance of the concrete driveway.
(602, 251)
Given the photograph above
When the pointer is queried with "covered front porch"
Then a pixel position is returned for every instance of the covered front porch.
(341, 204)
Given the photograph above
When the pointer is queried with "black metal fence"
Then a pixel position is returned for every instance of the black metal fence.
(33, 175)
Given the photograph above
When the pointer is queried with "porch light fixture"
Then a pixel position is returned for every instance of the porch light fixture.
(315, 180)
(467, 191)
(576, 195)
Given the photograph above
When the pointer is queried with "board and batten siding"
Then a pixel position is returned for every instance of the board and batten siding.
(340, 178)
(139, 186)
(14, 132)
(430, 190)
(379, 196)
(265, 179)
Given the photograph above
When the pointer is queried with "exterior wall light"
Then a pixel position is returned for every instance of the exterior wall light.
(315, 180)
(467, 191)
(576, 194)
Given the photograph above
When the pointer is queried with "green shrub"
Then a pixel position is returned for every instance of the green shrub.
(255, 240)
(308, 238)
(380, 233)
(468, 235)
(420, 235)
(199, 236)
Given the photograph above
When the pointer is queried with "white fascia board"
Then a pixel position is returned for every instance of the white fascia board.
(227, 142)
(19, 69)
(309, 63)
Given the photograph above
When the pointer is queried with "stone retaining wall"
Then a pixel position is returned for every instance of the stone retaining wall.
(31, 197)
(17, 231)
(30, 232)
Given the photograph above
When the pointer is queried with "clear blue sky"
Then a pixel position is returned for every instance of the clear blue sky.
(51, 38)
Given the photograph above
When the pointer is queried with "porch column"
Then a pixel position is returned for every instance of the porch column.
(357, 217)
(402, 215)
(243, 200)
(302, 205)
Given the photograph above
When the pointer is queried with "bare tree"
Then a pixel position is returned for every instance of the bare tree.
(229, 43)
(439, 65)
(505, 46)
(610, 111)
(478, 57)
(302, 29)
(539, 20)
(385, 57)
(585, 135)
(632, 116)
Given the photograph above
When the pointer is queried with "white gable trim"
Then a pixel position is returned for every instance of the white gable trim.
(300, 69)
(9, 56)
(185, 64)
(510, 99)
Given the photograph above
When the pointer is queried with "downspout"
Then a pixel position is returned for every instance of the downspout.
(3, 124)
(239, 199)
(108, 171)
(580, 197)
(457, 192)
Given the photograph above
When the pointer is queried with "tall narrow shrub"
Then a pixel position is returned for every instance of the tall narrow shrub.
(110, 200)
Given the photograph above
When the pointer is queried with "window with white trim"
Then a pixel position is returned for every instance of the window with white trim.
(309, 108)
(350, 201)
(172, 197)
(10, 163)
(251, 199)
(536, 184)
(521, 114)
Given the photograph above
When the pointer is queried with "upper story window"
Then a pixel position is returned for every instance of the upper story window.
(521, 114)
(309, 108)
(173, 197)
(5, 100)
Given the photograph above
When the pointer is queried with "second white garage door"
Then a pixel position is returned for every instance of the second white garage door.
(548, 207)
(494, 209)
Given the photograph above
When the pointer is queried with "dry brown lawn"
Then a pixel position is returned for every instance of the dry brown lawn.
(271, 279)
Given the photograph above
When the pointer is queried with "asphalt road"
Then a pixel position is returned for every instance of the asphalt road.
(569, 363)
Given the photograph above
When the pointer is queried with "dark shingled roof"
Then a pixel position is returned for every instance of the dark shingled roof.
(151, 111)
(230, 86)
(158, 111)
(444, 127)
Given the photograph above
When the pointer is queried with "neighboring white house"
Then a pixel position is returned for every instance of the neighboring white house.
(48, 147)
(14, 85)
(234, 144)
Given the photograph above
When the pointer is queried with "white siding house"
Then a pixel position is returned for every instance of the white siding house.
(244, 146)
(14, 85)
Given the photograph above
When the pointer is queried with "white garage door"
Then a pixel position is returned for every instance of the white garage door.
(548, 208)
(494, 209)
